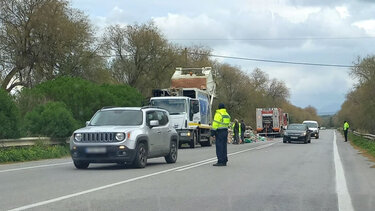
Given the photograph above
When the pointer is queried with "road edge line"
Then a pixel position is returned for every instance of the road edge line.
(343, 197)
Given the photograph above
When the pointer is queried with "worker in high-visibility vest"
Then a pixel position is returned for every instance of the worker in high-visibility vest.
(236, 128)
(220, 131)
(346, 128)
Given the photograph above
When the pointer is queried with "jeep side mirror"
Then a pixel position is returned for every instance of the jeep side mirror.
(87, 123)
(154, 123)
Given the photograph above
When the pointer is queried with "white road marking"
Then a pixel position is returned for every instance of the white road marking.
(34, 167)
(122, 182)
(343, 196)
(214, 159)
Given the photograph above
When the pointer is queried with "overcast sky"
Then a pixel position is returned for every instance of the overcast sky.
(340, 31)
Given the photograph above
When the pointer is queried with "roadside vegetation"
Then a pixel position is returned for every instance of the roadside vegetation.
(367, 145)
(36, 152)
(359, 106)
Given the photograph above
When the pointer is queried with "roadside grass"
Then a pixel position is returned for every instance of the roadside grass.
(37, 152)
(367, 145)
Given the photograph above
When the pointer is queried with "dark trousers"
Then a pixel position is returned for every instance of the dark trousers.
(221, 145)
(236, 138)
(243, 136)
(346, 135)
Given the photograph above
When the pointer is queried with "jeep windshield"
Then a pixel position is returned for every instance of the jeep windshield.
(173, 106)
(117, 117)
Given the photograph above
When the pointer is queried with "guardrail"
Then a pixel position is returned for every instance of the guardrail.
(365, 135)
(29, 141)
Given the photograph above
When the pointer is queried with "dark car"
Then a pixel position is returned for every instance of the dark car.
(297, 132)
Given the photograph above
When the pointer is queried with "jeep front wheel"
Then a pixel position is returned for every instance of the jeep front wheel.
(81, 164)
(140, 160)
(172, 156)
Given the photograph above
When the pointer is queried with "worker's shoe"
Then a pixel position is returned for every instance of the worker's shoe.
(219, 164)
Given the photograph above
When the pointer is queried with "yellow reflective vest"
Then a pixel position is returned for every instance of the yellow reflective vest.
(239, 127)
(346, 125)
(221, 119)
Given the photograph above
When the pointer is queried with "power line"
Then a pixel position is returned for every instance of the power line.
(273, 39)
(255, 59)
(275, 61)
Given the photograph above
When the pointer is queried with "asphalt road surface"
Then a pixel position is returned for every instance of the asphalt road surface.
(327, 174)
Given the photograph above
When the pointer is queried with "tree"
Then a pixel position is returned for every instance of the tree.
(41, 39)
(9, 117)
(140, 53)
(277, 90)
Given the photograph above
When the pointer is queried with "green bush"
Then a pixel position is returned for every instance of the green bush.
(52, 119)
(37, 152)
(9, 117)
(83, 98)
(367, 145)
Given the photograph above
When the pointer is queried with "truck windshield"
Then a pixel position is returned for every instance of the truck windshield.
(173, 106)
(311, 124)
(117, 117)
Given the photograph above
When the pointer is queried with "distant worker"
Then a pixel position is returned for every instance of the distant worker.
(243, 128)
(346, 128)
(220, 131)
(236, 127)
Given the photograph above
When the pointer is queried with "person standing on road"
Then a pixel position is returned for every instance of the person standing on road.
(243, 128)
(220, 131)
(346, 128)
(236, 131)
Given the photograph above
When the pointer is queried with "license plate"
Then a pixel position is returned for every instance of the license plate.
(183, 134)
(96, 150)
(294, 137)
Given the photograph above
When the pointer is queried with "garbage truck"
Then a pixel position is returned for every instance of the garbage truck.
(189, 103)
(271, 121)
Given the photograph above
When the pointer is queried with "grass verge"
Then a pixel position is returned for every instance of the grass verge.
(367, 145)
(36, 152)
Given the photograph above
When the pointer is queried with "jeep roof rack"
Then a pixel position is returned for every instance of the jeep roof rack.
(105, 107)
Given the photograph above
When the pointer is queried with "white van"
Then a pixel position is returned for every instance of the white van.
(313, 126)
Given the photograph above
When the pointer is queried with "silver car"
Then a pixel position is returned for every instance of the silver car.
(125, 136)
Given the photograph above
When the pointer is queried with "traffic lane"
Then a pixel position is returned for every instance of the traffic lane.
(279, 177)
(38, 184)
(360, 175)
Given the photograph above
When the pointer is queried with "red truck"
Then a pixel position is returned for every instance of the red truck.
(271, 121)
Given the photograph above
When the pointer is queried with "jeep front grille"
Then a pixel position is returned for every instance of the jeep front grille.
(98, 137)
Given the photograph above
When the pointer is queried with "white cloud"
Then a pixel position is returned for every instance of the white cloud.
(343, 12)
(367, 25)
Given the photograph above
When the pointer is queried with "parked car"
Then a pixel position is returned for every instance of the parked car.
(125, 136)
(297, 132)
(313, 126)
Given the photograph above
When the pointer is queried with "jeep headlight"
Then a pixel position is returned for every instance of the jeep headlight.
(120, 136)
(304, 134)
(78, 136)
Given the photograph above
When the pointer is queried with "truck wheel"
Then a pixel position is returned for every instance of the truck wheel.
(193, 141)
(316, 137)
(172, 156)
(140, 159)
(81, 164)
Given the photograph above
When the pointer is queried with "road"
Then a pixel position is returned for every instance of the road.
(327, 174)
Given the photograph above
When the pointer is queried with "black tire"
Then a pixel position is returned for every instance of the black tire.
(140, 159)
(316, 137)
(173, 152)
(81, 164)
(193, 141)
